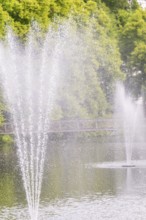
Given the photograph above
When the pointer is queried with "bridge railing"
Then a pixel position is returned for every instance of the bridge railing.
(76, 125)
(79, 125)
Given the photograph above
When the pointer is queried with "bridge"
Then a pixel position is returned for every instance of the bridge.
(76, 125)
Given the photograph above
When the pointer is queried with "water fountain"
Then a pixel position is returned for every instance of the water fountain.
(129, 121)
(29, 76)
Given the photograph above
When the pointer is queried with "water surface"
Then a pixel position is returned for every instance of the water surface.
(74, 190)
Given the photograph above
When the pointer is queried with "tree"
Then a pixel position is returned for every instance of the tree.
(115, 5)
(90, 77)
(133, 45)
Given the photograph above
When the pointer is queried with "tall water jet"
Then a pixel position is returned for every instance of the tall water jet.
(130, 117)
(29, 78)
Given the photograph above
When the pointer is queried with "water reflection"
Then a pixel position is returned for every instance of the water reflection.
(73, 191)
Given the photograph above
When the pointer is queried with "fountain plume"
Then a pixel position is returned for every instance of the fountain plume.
(29, 76)
(131, 120)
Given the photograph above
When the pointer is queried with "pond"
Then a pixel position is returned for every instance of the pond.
(74, 190)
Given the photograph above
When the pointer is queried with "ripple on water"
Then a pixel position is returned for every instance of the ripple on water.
(93, 208)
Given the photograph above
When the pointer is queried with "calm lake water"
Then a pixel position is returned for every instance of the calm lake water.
(73, 190)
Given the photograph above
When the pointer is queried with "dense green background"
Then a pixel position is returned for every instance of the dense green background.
(117, 46)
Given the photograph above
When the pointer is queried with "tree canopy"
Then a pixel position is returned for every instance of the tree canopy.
(132, 46)
(114, 37)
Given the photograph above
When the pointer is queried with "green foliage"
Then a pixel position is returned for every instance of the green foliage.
(91, 77)
(7, 139)
(115, 5)
(4, 19)
(133, 45)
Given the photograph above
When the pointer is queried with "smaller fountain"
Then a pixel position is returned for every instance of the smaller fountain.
(130, 123)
